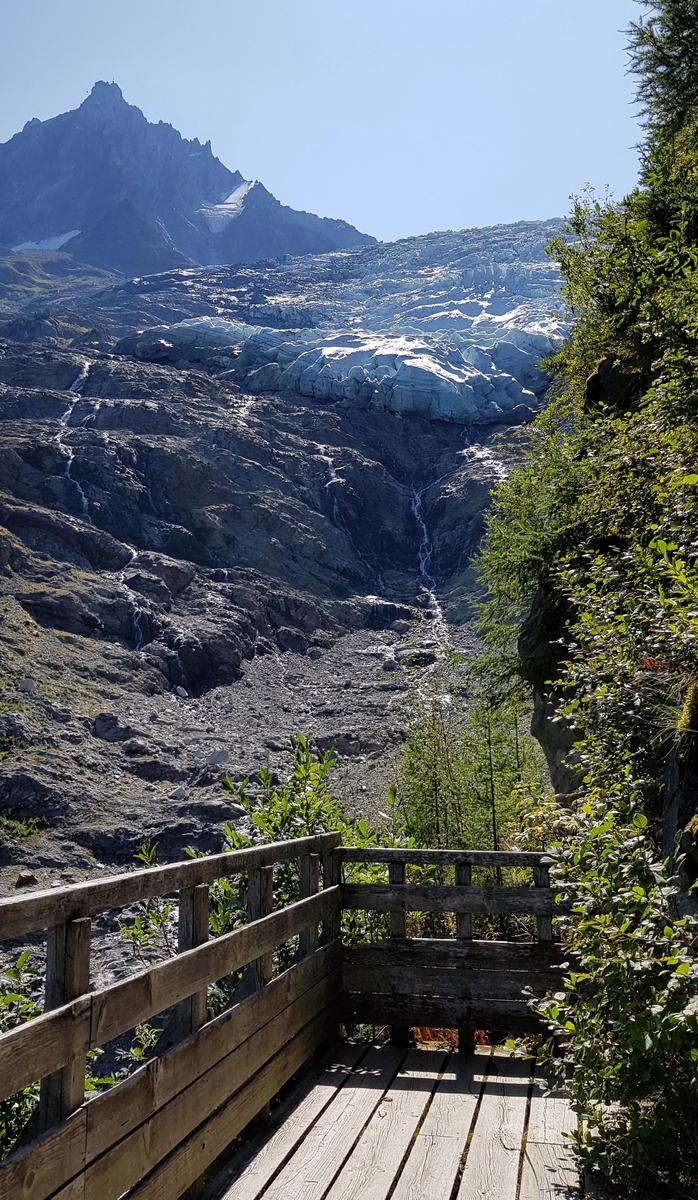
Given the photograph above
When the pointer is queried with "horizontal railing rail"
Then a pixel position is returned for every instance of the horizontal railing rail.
(40, 910)
(221, 1069)
(444, 858)
(441, 898)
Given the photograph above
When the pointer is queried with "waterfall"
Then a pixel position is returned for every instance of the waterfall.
(428, 583)
(74, 392)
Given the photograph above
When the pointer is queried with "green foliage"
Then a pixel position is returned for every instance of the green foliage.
(628, 1008)
(19, 1002)
(465, 766)
(301, 806)
(151, 934)
(598, 528)
(664, 56)
(17, 829)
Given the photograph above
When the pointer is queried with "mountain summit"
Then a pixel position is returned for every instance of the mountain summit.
(113, 189)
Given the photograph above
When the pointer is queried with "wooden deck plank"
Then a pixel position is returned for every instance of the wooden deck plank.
(550, 1117)
(492, 1166)
(549, 1173)
(432, 1166)
(309, 1172)
(269, 1151)
(376, 1159)
(549, 1169)
(195, 1154)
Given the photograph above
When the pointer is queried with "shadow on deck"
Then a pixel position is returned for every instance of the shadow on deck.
(377, 1122)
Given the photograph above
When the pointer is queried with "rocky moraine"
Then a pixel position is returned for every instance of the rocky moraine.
(240, 501)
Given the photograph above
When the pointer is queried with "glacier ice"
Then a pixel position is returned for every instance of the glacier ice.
(450, 325)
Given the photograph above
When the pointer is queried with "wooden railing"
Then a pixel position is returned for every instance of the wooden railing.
(153, 1134)
(454, 982)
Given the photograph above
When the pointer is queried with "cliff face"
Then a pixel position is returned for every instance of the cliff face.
(197, 562)
(190, 573)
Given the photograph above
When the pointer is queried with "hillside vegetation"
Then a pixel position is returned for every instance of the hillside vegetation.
(594, 541)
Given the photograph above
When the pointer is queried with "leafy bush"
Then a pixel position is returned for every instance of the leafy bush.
(598, 528)
(19, 1002)
(301, 806)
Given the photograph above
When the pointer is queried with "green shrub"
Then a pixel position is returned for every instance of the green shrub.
(598, 526)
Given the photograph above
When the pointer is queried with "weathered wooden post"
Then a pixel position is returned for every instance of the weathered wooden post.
(331, 877)
(397, 874)
(464, 933)
(67, 977)
(309, 938)
(190, 1014)
(260, 902)
(544, 923)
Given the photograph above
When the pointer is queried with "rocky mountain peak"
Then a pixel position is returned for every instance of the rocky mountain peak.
(105, 94)
(62, 181)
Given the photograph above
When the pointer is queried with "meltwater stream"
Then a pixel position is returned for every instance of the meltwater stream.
(74, 391)
(428, 582)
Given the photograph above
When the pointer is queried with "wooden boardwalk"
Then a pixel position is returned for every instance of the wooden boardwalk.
(381, 1123)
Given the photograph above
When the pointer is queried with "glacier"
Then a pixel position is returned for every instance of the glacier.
(448, 325)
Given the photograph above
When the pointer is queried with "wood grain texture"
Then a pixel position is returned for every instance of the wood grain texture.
(30, 1051)
(259, 1163)
(549, 1173)
(123, 1166)
(192, 930)
(193, 1156)
(474, 858)
(412, 897)
(397, 873)
(549, 1168)
(376, 1159)
(466, 984)
(41, 909)
(447, 952)
(550, 1118)
(118, 1008)
(492, 1166)
(433, 1162)
(33, 1172)
(309, 884)
(448, 1012)
(67, 977)
(328, 1144)
(38, 1168)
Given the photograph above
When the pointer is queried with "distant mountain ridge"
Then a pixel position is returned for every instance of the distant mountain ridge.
(107, 186)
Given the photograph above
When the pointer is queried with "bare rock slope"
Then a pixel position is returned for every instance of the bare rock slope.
(193, 565)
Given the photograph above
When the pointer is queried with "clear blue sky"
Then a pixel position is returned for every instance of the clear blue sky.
(401, 116)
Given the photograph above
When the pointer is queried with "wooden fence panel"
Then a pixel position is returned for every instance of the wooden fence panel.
(41, 910)
(412, 897)
(31, 1051)
(35, 1171)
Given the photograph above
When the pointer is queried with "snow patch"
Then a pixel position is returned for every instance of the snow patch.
(217, 216)
(50, 243)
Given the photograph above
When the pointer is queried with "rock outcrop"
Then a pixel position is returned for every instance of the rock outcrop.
(189, 573)
(198, 558)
